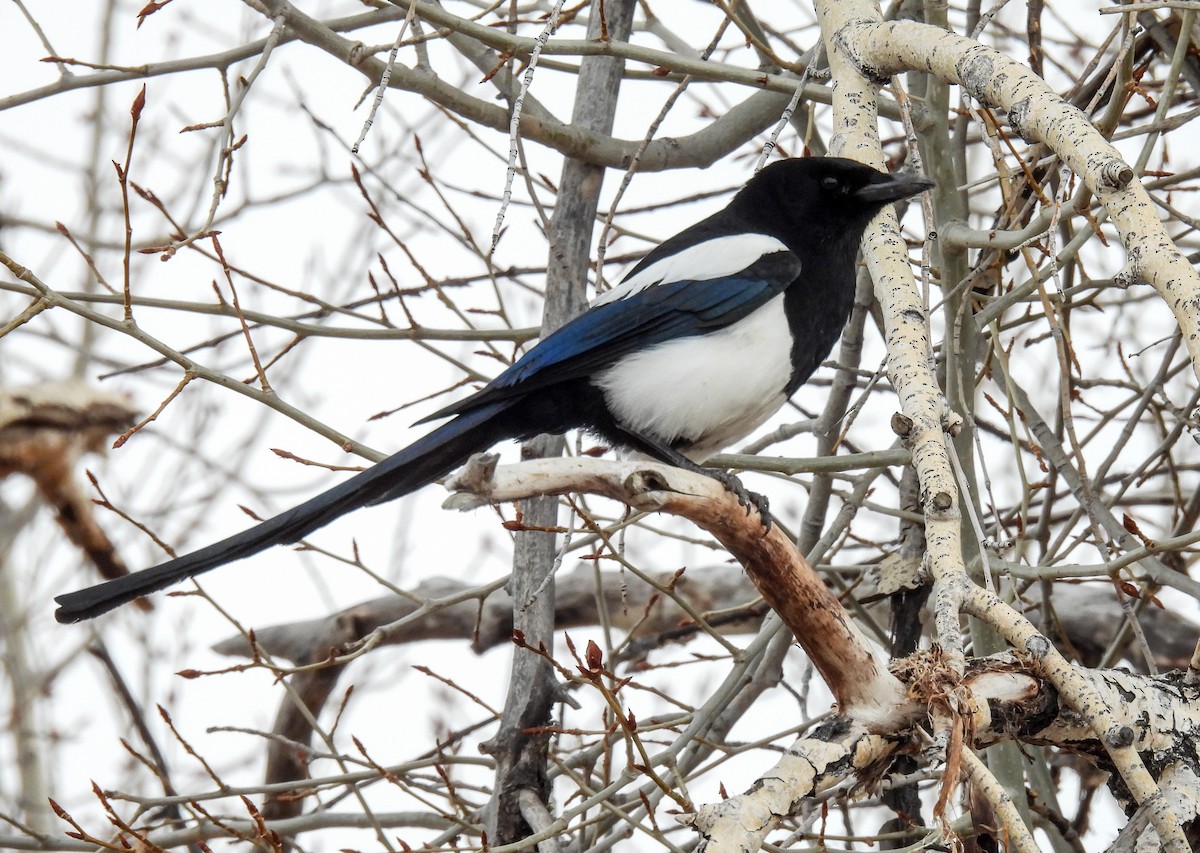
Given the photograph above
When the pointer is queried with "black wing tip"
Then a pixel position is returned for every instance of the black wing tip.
(441, 414)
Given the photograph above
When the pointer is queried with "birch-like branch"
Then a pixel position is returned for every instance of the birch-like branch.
(1038, 113)
(906, 327)
(1007, 700)
(862, 50)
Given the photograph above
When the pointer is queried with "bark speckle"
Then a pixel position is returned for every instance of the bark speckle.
(1037, 647)
(1119, 737)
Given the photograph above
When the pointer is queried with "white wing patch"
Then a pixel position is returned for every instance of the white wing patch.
(713, 258)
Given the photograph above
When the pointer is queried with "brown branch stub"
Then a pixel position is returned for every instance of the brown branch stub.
(44, 432)
(65, 407)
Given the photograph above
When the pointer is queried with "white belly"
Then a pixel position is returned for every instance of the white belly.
(709, 391)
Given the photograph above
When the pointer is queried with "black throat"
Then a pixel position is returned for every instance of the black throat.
(817, 305)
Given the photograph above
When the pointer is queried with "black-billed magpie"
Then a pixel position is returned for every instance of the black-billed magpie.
(701, 342)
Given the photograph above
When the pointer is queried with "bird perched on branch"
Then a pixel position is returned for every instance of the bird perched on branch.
(703, 340)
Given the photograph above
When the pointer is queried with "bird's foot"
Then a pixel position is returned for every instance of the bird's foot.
(744, 496)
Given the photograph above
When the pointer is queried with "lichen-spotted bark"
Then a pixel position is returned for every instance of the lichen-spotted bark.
(1036, 112)
(1106, 710)
(910, 355)
(810, 765)
(862, 50)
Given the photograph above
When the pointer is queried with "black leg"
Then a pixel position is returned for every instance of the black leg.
(668, 454)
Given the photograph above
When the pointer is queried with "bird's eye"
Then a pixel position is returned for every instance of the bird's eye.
(829, 183)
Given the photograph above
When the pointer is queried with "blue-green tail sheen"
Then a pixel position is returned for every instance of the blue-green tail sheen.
(417, 465)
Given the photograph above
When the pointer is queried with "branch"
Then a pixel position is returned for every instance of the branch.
(851, 665)
(1107, 714)
(673, 606)
(906, 328)
(811, 765)
(1038, 113)
(699, 149)
(44, 432)
(863, 50)
(1159, 715)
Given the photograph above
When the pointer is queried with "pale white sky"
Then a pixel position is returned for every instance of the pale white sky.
(317, 242)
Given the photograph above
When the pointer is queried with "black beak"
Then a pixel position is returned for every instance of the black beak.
(891, 188)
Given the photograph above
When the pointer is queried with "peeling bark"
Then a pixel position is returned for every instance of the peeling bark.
(852, 666)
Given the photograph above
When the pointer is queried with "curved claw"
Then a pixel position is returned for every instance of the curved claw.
(744, 496)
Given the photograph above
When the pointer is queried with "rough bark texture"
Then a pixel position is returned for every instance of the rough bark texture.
(836, 750)
(1037, 112)
(850, 664)
(521, 757)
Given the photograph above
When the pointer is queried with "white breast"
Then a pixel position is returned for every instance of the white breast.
(709, 391)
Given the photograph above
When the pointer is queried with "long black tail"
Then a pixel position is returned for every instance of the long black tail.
(417, 465)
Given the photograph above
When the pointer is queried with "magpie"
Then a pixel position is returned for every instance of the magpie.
(701, 342)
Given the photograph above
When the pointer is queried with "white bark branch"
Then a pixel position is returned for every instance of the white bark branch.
(810, 765)
(1038, 113)
(906, 325)
(862, 50)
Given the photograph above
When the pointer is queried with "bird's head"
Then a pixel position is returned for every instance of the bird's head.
(821, 201)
